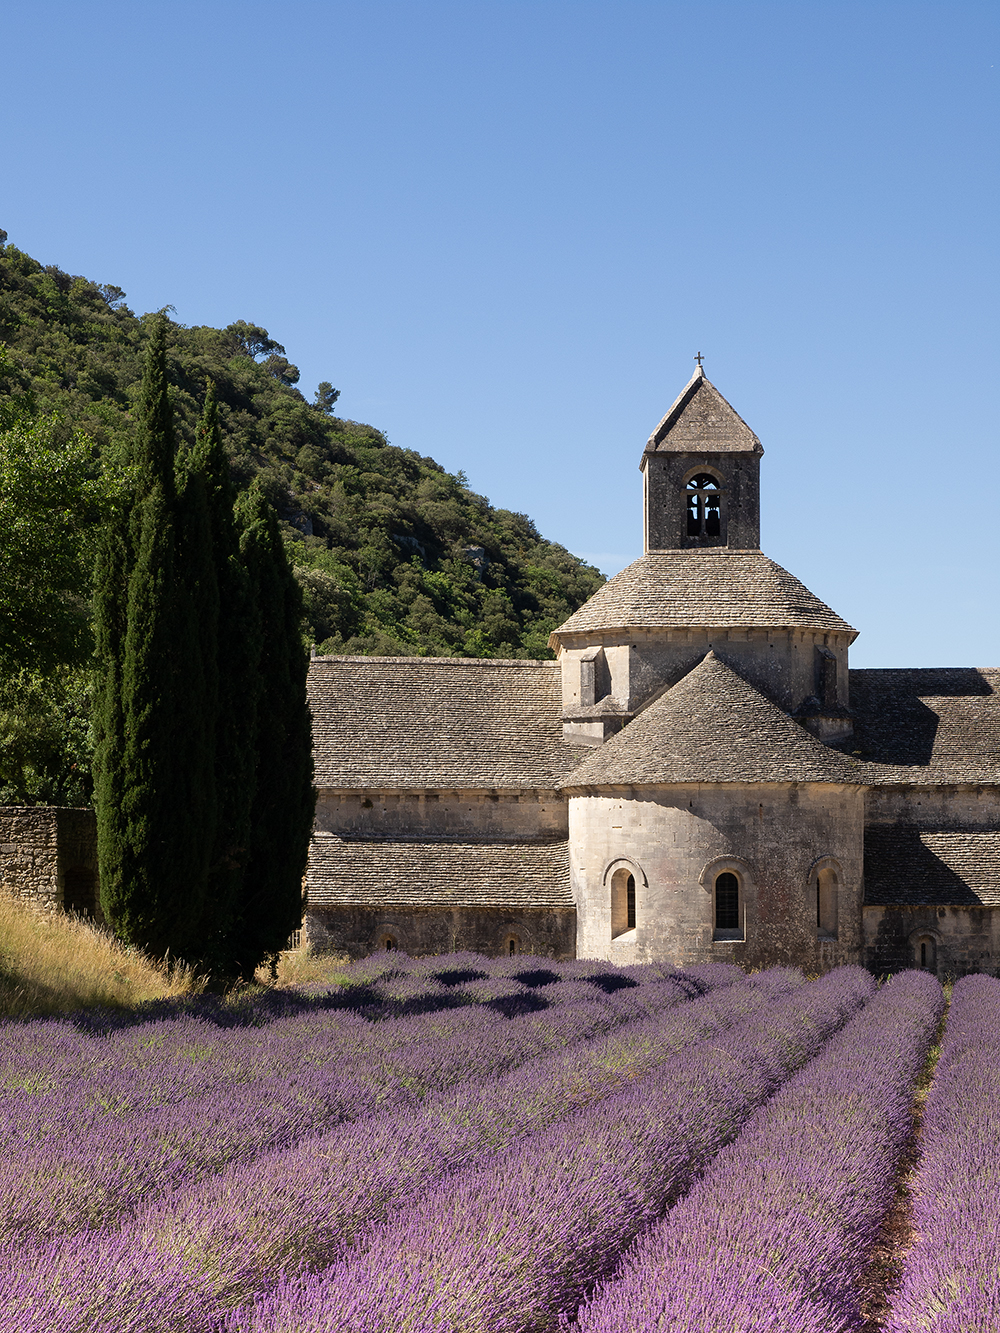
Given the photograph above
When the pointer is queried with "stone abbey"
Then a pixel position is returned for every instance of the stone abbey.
(699, 775)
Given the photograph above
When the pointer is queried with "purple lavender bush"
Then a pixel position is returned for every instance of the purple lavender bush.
(951, 1281)
(216, 1241)
(777, 1233)
(507, 1244)
(102, 1126)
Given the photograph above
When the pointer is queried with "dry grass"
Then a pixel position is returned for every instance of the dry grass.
(51, 963)
(297, 967)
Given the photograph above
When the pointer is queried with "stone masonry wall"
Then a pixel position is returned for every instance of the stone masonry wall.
(40, 846)
(960, 806)
(359, 931)
(965, 939)
(487, 815)
(780, 663)
(29, 854)
(676, 840)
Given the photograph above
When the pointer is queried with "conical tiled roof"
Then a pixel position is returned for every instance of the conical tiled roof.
(714, 587)
(702, 421)
(713, 727)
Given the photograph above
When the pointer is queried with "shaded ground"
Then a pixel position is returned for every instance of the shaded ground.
(897, 1236)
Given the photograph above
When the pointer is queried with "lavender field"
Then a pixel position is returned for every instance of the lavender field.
(469, 1145)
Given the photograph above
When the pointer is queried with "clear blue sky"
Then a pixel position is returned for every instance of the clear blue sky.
(504, 229)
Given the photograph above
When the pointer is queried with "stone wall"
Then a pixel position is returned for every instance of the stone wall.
(665, 477)
(676, 841)
(956, 940)
(517, 816)
(359, 931)
(958, 806)
(48, 856)
(640, 663)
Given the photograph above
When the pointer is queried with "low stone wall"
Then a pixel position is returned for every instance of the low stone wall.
(48, 856)
(359, 931)
(950, 941)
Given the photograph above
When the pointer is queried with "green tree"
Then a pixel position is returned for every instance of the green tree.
(52, 498)
(154, 725)
(326, 397)
(237, 661)
(284, 802)
(45, 737)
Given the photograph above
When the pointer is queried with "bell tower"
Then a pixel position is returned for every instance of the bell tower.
(701, 475)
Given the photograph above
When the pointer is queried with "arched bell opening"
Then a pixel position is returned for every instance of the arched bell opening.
(703, 499)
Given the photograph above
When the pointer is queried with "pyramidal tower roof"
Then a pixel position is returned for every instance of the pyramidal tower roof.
(715, 588)
(702, 420)
(712, 726)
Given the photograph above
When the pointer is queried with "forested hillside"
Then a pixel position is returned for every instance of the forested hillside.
(379, 535)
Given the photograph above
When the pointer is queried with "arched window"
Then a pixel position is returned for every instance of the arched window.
(622, 902)
(925, 948)
(704, 506)
(512, 945)
(727, 906)
(389, 943)
(826, 904)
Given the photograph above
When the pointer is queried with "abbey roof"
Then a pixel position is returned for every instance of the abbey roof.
(928, 725)
(907, 866)
(716, 587)
(712, 726)
(702, 421)
(402, 873)
(397, 723)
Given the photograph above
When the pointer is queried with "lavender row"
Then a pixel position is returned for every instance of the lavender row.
(172, 1058)
(72, 1086)
(776, 1236)
(505, 1245)
(181, 1262)
(951, 1282)
(72, 1167)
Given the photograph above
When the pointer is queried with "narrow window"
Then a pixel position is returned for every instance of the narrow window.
(826, 677)
(512, 947)
(926, 952)
(622, 902)
(390, 944)
(826, 904)
(727, 902)
(704, 506)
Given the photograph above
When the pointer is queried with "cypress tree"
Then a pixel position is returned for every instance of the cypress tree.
(154, 763)
(237, 660)
(270, 905)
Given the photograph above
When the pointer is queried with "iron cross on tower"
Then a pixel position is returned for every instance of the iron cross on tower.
(699, 358)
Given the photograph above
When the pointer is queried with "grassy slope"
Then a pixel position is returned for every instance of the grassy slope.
(53, 964)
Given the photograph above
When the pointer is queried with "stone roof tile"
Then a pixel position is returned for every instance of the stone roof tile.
(437, 722)
(372, 873)
(701, 420)
(712, 726)
(908, 866)
(714, 587)
(928, 725)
